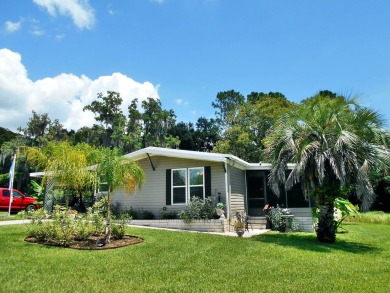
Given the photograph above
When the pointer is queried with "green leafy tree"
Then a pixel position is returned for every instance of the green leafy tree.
(334, 143)
(117, 172)
(57, 132)
(40, 129)
(37, 128)
(90, 135)
(253, 119)
(186, 132)
(22, 171)
(201, 137)
(207, 134)
(133, 138)
(109, 113)
(6, 135)
(157, 123)
(254, 97)
(226, 104)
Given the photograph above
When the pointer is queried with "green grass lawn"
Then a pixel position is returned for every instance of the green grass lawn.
(5, 217)
(373, 217)
(170, 261)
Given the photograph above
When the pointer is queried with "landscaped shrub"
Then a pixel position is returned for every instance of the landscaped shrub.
(95, 218)
(83, 230)
(343, 209)
(138, 214)
(116, 209)
(198, 209)
(169, 215)
(38, 227)
(145, 215)
(281, 220)
(100, 206)
(62, 227)
(118, 231)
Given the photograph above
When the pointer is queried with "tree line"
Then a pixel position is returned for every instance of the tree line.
(240, 127)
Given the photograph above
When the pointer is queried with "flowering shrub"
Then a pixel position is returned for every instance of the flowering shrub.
(198, 209)
(281, 219)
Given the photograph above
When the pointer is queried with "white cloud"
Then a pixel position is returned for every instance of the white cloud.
(63, 97)
(37, 32)
(12, 27)
(110, 10)
(80, 11)
(181, 102)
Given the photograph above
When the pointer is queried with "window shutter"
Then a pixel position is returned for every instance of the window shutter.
(168, 187)
(207, 181)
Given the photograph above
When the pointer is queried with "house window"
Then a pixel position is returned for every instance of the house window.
(179, 186)
(103, 185)
(196, 186)
(187, 183)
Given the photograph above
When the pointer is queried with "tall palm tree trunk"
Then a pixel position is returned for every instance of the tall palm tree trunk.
(326, 229)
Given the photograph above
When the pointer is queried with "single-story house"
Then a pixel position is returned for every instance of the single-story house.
(173, 176)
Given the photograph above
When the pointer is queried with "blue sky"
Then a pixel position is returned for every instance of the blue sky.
(56, 55)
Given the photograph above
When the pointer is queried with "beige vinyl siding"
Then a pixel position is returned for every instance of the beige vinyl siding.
(236, 181)
(152, 196)
(236, 203)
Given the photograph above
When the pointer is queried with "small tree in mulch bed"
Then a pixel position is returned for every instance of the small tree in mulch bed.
(82, 232)
(117, 172)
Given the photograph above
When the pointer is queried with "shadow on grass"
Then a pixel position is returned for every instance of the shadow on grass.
(309, 242)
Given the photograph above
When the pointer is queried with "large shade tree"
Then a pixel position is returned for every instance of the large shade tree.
(109, 113)
(253, 118)
(334, 143)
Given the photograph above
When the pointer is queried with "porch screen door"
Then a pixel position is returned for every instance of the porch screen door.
(256, 187)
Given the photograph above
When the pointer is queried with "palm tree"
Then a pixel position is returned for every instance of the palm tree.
(117, 172)
(334, 143)
(66, 165)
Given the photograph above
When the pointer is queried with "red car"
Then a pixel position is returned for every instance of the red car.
(20, 201)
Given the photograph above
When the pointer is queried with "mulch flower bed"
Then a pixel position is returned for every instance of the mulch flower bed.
(92, 243)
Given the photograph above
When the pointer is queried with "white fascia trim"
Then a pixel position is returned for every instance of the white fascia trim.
(266, 166)
(153, 151)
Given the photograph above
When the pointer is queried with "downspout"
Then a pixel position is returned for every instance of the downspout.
(246, 196)
(227, 191)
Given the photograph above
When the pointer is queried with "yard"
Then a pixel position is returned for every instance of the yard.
(170, 261)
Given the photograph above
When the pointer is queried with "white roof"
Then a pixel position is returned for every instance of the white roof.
(193, 155)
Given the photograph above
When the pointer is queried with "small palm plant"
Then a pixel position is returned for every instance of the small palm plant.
(118, 172)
